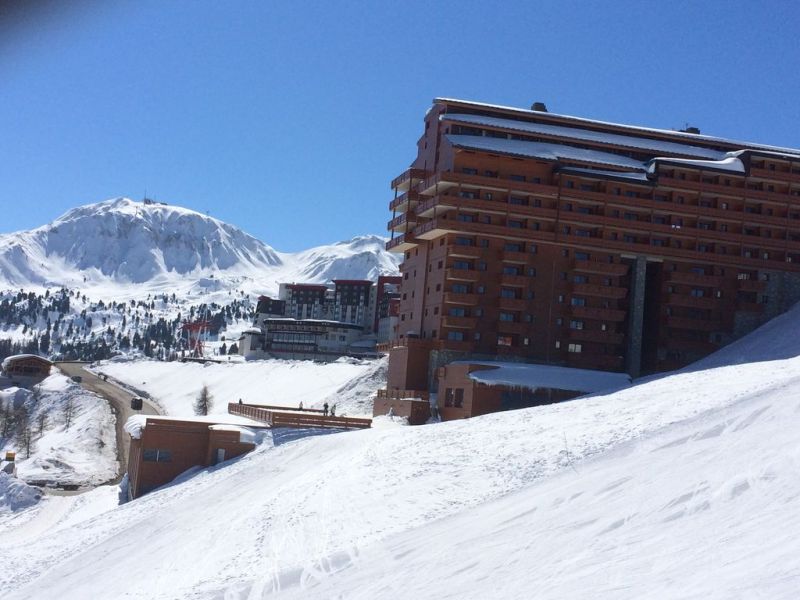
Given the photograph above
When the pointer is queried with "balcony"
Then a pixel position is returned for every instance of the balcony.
(459, 322)
(513, 327)
(602, 291)
(402, 222)
(513, 303)
(751, 285)
(435, 228)
(405, 342)
(402, 394)
(613, 269)
(463, 299)
(463, 275)
(694, 324)
(515, 257)
(460, 251)
(401, 243)
(753, 307)
(599, 314)
(775, 175)
(404, 201)
(513, 280)
(408, 178)
(699, 279)
(693, 301)
(596, 335)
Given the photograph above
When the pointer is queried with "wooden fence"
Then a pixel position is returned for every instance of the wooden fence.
(290, 418)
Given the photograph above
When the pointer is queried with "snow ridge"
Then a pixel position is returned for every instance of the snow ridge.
(121, 242)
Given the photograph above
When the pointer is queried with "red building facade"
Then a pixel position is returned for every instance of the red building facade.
(544, 238)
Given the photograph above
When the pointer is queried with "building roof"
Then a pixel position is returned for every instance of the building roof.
(352, 282)
(691, 137)
(544, 151)
(598, 137)
(531, 376)
(625, 176)
(730, 164)
(136, 423)
(9, 359)
(306, 286)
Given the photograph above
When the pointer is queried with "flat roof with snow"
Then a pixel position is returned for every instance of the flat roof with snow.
(530, 376)
(136, 423)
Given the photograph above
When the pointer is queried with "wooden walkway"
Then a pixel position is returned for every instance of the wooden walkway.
(282, 416)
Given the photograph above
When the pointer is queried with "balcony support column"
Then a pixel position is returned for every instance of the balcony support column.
(633, 363)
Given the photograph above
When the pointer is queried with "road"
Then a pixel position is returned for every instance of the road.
(120, 401)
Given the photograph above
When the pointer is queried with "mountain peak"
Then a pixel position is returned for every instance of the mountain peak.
(122, 241)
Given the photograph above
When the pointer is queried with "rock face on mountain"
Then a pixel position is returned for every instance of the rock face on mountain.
(124, 242)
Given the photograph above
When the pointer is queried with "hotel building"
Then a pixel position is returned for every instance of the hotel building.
(540, 238)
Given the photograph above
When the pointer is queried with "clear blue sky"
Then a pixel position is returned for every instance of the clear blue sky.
(289, 119)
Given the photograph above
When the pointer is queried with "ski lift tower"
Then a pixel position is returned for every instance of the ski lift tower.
(196, 332)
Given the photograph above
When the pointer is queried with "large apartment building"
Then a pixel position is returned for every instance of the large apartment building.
(542, 238)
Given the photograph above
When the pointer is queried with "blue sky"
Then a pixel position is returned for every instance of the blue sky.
(290, 119)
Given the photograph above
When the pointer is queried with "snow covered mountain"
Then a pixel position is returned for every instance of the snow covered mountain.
(151, 247)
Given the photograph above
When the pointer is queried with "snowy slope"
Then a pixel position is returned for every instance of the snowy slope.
(684, 486)
(175, 385)
(123, 248)
(83, 453)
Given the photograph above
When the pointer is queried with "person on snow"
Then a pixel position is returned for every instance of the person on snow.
(301, 405)
(325, 410)
(333, 410)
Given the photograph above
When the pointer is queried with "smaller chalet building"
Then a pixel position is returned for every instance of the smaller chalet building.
(26, 368)
(162, 448)
(472, 388)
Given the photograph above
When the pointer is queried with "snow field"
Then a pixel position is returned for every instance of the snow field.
(175, 385)
(83, 454)
(291, 514)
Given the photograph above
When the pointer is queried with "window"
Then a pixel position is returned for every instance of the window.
(458, 398)
(469, 171)
(457, 312)
(698, 293)
(508, 293)
(455, 336)
(580, 279)
(509, 270)
(460, 288)
(517, 177)
(574, 348)
(157, 455)
(504, 340)
(507, 316)
(578, 302)
(532, 271)
(464, 241)
(462, 265)
(576, 324)
(465, 218)
(582, 256)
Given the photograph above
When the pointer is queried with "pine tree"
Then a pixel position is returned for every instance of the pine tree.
(204, 402)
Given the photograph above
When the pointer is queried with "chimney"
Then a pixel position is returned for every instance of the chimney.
(539, 106)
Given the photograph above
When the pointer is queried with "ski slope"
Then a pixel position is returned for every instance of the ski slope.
(684, 486)
(174, 386)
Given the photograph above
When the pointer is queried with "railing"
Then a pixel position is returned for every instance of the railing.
(304, 418)
(402, 394)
